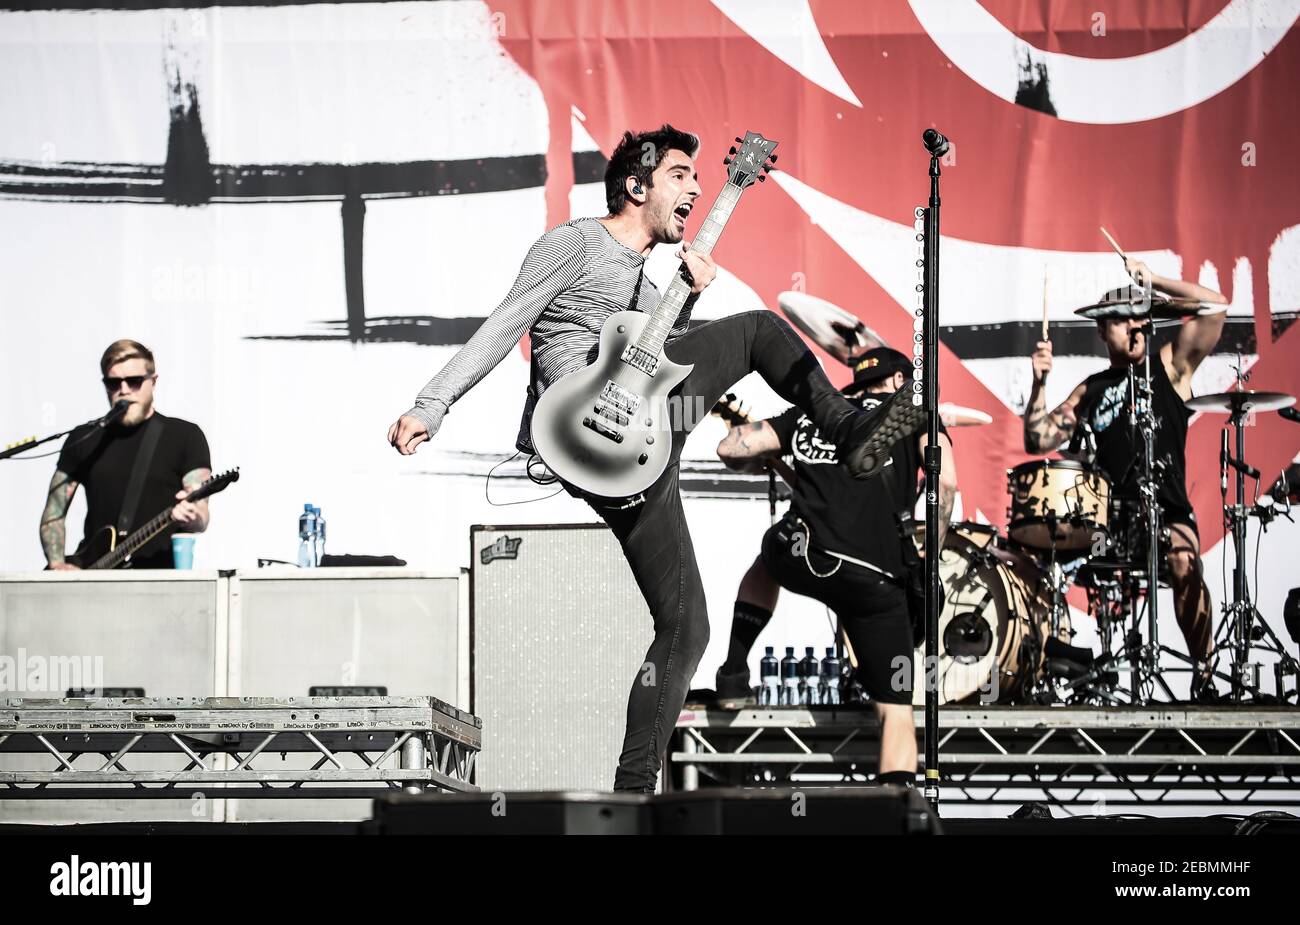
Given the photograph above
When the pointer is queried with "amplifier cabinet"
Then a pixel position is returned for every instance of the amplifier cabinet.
(558, 632)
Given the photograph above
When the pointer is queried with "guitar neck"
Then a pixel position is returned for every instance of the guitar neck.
(665, 314)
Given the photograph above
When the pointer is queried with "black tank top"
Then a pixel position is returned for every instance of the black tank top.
(1105, 408)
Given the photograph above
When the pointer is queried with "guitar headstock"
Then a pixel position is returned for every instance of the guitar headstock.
(750, 164)
(215, 484)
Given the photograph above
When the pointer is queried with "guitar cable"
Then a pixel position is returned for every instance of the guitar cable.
(528, 469)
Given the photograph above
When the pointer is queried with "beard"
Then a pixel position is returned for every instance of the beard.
(136, 413)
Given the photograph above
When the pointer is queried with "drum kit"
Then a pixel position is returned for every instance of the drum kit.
(1005, 628)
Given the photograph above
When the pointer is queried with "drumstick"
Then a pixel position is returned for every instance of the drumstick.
(1119, 250)
(1044, 303)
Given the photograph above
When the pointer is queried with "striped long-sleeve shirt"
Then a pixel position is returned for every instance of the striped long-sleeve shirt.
(574, 277)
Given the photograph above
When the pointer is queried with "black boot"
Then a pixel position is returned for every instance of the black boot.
(872, 434)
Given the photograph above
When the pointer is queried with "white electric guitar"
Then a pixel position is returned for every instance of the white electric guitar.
(606, 429)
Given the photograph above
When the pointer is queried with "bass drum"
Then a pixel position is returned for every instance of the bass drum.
(995, 616)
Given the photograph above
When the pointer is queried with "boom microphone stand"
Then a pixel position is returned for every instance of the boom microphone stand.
(22, 446)
(926, 355)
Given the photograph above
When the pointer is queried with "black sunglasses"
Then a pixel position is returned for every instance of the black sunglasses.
(133, 383)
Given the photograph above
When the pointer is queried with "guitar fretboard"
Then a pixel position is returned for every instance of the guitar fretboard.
(666, 313)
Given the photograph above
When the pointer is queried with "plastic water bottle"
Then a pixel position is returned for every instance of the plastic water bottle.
(831, 678)
(307, 537)
(320, 536)
(810, 678)
(789, 678)
(769, 691)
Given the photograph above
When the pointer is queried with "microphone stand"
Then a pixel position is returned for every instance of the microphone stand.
(937, 146)
(24, 445)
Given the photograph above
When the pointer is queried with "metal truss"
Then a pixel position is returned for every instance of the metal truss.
(234, 747)
(1231, 756)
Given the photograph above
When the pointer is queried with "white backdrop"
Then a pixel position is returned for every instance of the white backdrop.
(230, 295)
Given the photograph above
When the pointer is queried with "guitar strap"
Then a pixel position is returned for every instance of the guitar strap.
(135, 484)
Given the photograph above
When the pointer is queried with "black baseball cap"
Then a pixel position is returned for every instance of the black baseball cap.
(879, 363)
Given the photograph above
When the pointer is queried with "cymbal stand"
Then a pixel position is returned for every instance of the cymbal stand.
(1243, 628)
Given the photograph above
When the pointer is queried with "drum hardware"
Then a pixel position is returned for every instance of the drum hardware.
(1243, 629)
(1144, 657)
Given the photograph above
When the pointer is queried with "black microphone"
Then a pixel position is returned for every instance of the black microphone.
(1223, 461)
(118, 410)
(1290, 414)
(934, 142)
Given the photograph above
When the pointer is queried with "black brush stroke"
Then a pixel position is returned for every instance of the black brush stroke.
(1006, 340)
(307, 182)
(1032, 90)
(1079, 338)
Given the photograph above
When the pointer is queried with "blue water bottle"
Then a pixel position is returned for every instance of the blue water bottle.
(830, 678)
(307, 537)
(320, 535)
(769, 691)
(789, 679)
(809, 678)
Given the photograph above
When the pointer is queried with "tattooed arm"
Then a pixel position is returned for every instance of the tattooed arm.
(192, 516)
(1045, 430)
(54, 533)
(747, 447)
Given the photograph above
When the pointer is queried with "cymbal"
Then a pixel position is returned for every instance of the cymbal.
(957, 416)
(1139, 306)
(837, 331)
(1233, 402)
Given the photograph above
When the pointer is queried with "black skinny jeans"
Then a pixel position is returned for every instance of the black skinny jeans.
(653, 532)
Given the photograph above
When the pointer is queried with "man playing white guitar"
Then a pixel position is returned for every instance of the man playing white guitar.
(574, 278)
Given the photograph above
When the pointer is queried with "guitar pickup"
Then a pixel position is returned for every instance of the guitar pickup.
(637, 358)
(603, 429)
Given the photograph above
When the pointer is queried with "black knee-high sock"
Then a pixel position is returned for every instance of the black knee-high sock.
(898, 778)
(747, 621)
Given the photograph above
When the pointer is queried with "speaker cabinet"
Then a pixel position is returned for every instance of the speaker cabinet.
(161, 631)
(559, 630)
(399, 629)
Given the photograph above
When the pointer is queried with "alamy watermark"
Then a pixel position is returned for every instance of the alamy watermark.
(26, 673)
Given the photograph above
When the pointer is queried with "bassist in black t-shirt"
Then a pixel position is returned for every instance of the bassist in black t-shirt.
(1101, 402)
(840, 544)
(102, 459)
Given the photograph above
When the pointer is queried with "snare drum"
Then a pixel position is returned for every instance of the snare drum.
(1058, 504)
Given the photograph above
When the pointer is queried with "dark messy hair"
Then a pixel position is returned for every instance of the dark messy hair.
(632, 158)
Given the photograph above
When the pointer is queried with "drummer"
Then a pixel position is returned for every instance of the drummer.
(1095, 413)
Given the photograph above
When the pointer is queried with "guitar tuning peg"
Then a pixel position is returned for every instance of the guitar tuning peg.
(739, 140)
(762, 177)
(772, 158)
(733, 150)
(726, 162)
